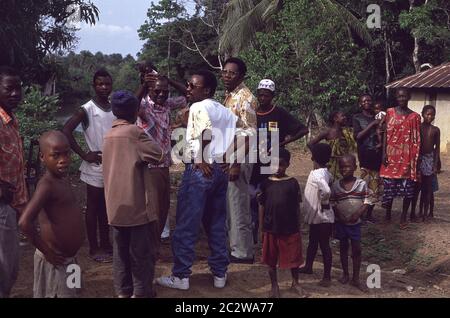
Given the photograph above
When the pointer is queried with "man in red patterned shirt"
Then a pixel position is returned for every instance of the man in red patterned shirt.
(13, 194)
(401, 148)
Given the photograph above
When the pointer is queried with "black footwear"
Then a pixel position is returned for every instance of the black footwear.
(241, 260)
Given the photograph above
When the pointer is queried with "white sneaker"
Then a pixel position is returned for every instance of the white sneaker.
(173, 282)
(220, 282)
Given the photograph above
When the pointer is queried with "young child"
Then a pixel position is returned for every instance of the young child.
(339, 137)
(380, 114)
(279, 214)
(318, 212)
(350, 200)
(126, 152)
(428, 162)
(59, 217)
(96, 119)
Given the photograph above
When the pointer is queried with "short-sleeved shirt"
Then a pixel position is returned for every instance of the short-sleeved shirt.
(281, 200)
(11, 158)
(402, 145)
(209, 114)
(277, 119)
(369, 155)
(349, 202)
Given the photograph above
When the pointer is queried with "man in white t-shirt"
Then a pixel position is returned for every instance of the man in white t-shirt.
(202, 194)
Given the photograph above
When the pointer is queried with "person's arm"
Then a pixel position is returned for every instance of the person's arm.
(437, 150)
(27, 219)
(321, 136)
(360, 133)
(148, 150)
(6, 192)
(384, 157)
(355, 216)
(69, 127)
(203, 166)
(295, 128)
(261, 220)
(180, 87)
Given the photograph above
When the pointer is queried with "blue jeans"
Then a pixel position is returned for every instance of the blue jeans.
(201, 200)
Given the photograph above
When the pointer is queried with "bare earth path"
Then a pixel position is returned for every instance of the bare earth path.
(422, 251)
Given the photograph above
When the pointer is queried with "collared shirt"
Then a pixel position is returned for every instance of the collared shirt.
(157, 124)
(243, 104)
(210, 115)
(126, 151)
(11, 158)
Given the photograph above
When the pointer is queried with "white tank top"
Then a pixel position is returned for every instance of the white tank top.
(99, 122)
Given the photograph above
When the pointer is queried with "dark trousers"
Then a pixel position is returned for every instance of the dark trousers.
(135, 252)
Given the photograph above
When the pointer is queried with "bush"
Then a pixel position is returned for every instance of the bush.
(37, 114)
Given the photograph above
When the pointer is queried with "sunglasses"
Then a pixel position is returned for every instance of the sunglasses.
(192, 86)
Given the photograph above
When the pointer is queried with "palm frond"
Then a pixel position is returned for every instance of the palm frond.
(242, 19)
(348, 19)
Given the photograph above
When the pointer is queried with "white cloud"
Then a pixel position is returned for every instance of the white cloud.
(108, 29)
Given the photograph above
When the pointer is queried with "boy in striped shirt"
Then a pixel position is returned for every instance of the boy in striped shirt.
(349, 197)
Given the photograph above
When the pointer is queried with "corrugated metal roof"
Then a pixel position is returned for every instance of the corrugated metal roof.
(436, 77)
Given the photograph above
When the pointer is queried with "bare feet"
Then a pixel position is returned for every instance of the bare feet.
(305, 270)
(344, 279)
(325, 283)
(357, 284)
(275, 292)
(295, 288)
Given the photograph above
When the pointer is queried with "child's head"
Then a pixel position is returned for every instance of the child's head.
(347, 165)
(102, 83)
(428, 114)
(55, 152)
(365, 102)
(125, 105)
(321, 154)
(337, 117)
(285, 159)
(378, 106)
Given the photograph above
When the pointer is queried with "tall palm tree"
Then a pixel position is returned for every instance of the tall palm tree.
(243, 18)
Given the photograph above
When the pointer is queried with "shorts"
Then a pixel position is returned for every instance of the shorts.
(397, 188)
(284, 250)
(92, 180)
(51, 281)
(345, 232)
(426, 164)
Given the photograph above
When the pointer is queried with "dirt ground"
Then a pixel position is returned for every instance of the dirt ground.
(422, 251)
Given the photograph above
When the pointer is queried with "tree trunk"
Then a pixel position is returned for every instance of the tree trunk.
(386, 57)
(415, 55)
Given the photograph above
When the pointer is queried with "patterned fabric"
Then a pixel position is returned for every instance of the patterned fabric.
(340, 146)
(350, 201)
(243, 104)
(402, 145)
(426, 164)
(397, 188)
(11, 158)
(157, 125)
(374, 184)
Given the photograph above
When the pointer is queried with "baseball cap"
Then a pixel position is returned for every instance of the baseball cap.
(267, 84)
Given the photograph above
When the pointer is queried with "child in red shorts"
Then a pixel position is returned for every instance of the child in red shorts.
(279, 211)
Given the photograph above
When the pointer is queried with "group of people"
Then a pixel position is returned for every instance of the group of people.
(234, 183)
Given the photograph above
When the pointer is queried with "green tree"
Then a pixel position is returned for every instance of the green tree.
(31, 29)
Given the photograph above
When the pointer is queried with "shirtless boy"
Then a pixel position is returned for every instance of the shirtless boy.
(59, 217)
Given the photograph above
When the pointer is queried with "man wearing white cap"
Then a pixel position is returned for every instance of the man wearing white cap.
(270, 119)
